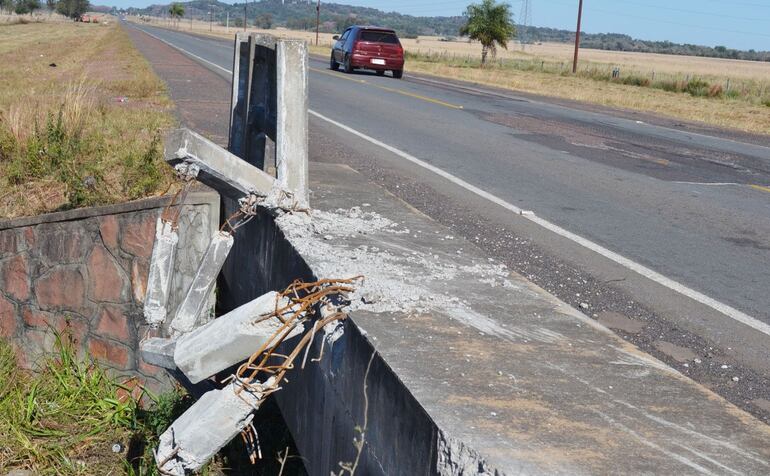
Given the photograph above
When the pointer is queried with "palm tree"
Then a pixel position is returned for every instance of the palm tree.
(491, 24)
(176, 10)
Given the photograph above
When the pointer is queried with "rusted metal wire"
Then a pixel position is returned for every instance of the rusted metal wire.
(263, 372)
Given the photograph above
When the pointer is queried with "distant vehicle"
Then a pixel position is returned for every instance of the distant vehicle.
(368, 47)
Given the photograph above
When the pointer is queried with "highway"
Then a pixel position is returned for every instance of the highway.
(679, 215)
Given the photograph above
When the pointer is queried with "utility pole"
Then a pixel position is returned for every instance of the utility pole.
(227, 24)
(211, 21)
(317, 20)
(577, 37)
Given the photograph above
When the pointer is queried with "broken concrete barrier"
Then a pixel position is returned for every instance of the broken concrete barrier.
(196, 436)
(230, 338)
(196, 298)
(159, 277)
(158, 351)
(226, 173)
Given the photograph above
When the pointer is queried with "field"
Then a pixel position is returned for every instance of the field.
(727, 93)
(80, 119)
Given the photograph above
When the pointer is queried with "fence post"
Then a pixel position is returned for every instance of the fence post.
(291, 157)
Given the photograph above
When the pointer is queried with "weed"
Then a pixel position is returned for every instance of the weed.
(143, 173)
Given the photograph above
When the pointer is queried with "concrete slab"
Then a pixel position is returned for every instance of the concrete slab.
(158, 351)
(196, 299)
(215, 419)
(160, 274)
(496, 374)
(219, 169)
(229, 339)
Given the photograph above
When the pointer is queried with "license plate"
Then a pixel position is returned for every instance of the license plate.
(378, 61)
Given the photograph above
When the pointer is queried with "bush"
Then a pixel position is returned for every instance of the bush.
(697, 88)
(143, 173)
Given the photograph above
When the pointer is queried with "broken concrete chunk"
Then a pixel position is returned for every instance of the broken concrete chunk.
(196, 436)
(226, 173)
(159, 277)
(158, 351)
(229, 339)
(196, 298)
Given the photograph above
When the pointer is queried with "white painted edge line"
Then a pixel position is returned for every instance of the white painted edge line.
(611, 255)
(718, 306)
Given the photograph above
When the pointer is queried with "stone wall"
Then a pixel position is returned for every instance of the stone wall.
(85, 271)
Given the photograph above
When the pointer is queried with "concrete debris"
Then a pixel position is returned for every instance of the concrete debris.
(196, 298)
(159, 277)
(329, 238)
(231, 338)
(158, 351)
(226, 173)
(215, 419)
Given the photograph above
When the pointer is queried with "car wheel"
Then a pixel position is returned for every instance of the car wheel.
(333, 65)
(380, 72)
(347, 65)
(397, 73)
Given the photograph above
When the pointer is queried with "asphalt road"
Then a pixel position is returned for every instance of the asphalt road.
(691, 206)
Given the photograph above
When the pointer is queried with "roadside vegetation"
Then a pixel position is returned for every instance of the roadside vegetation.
(718, 92)
(70, 417)
(81, 119)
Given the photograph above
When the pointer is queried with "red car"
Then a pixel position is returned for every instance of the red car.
(368, 47)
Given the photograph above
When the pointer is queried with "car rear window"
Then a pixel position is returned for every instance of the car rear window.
(379, 37)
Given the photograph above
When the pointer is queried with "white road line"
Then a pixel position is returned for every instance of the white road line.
(611, 255)
(718, 306)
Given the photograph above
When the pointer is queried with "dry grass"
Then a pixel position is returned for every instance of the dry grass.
(82, 132)
(543, 69)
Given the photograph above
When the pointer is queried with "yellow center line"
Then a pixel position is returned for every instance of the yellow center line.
(392, 90)
(760, 188)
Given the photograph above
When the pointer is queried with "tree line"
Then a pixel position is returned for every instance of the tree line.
(71, 8)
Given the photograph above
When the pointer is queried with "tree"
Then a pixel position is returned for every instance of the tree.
(491, 24)
(26, 6)
(72, 8)
(176, 10)
(264, 21)
(51, 4)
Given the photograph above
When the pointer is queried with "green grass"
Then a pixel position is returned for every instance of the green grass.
(64, 418)
(84, 133)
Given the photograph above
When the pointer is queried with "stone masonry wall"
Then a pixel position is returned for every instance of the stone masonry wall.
(85, 271)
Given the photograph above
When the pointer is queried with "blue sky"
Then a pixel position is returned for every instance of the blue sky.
(742, 24)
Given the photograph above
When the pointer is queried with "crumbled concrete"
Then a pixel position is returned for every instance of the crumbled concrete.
(318, 234)
(158, 351)
(194, 303)
(230, 339)
(159, 277)
(196, 436)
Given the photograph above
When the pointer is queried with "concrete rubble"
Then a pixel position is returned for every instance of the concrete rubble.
(207, 426)
(194, 303)
(230, 338)
(159, 277)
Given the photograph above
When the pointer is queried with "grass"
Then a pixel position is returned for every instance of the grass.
(726, 93)
(65, 418)
(80, 119)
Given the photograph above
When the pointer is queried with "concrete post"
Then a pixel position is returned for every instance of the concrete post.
(229, 339)
(196, 436)
(219, 169)
(159, 276)
(194, 302)
(291, 122)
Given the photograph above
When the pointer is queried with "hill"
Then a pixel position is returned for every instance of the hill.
(300, 15)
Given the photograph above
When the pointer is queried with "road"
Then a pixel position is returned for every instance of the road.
(679, 219)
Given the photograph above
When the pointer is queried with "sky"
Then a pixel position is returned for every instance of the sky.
(741, 24)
